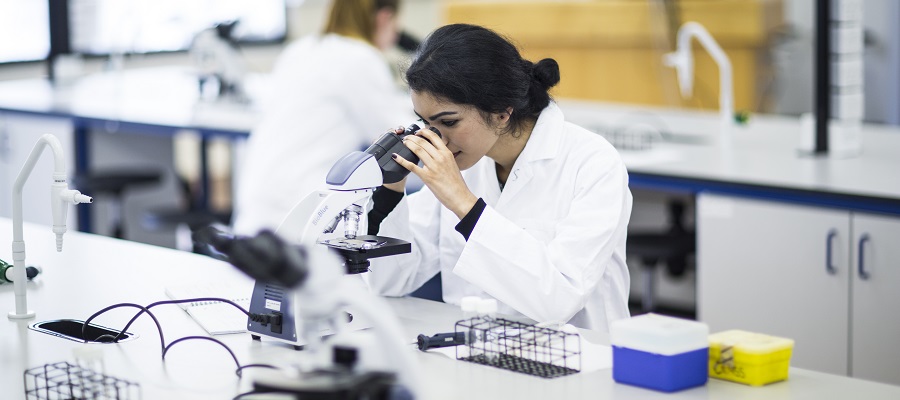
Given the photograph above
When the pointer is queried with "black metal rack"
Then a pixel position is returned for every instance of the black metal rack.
(63, 380)
(519, 347)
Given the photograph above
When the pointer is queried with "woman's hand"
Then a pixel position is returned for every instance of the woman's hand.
(400, 186)
(439, 171)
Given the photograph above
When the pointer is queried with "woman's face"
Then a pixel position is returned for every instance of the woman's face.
(462, 127)
(386, 29)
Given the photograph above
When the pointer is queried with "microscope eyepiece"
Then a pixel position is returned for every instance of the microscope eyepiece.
(391, 143)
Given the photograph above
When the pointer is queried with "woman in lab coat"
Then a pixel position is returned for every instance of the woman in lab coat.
(519, 205)
(331, 94)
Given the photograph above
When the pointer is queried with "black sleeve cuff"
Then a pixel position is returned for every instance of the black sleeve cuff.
(384, 201)
(467, 224)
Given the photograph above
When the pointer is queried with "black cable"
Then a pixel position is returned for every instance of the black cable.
(198, 299)
(162, 340)
(241, 368)
(105, 335)
(165, 348)
(250, 393)
(234, 357)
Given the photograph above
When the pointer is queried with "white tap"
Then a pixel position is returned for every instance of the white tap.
(60, 197)
(683, 61)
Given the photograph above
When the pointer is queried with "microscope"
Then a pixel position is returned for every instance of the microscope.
(220, 66)
(335, 218)
(304, 289)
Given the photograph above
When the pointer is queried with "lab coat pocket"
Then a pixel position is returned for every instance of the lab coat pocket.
(539, 229)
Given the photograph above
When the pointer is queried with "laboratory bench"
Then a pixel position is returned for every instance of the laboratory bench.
(676, 156)
(814, 235)
(93, 272)
(116, 115)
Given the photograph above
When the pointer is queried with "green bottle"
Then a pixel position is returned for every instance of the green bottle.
(3, 267)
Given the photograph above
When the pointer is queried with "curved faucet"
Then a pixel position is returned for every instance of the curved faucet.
(60, 197)
(683, 61)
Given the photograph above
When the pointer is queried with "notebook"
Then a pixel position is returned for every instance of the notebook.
(215, 317)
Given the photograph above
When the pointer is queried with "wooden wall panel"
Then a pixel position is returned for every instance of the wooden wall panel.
(611, 50)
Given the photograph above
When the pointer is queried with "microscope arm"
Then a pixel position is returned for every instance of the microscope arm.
(351, 182)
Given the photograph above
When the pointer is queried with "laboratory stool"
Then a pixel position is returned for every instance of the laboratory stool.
(673, 246)
(111, 185)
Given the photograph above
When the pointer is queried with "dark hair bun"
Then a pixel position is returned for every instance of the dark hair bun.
(546, 72)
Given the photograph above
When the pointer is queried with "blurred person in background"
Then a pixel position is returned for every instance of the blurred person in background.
(331, 93)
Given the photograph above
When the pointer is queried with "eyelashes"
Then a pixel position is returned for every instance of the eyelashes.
(447, 123)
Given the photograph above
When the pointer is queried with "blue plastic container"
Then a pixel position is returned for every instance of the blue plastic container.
(659, 372)
(660, 353)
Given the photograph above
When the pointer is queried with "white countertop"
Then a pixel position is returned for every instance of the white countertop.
(763, 153)
(93, 272)
(162, 96)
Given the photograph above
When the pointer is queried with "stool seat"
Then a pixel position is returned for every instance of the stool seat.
(114, 182)
(661, 246)
(167, 217)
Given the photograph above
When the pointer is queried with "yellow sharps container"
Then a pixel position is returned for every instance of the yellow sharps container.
(750, 358)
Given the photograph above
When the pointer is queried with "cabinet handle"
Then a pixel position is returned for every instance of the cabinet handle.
(829, 266)
(862, 265)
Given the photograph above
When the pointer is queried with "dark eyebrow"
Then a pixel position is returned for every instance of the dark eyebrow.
(435, 116)
(441, 114)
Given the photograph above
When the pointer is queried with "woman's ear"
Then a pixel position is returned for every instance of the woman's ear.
(502, 118)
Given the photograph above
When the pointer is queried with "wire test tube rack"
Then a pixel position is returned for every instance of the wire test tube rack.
(63, 380)
(519, 347)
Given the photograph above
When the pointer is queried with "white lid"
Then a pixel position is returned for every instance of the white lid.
(659, 334)
(469, 303)
(487, 306)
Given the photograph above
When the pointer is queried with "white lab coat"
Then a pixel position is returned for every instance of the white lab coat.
(550, 246)
(330, 95)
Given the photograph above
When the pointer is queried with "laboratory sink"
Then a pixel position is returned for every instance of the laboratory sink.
(72, 329)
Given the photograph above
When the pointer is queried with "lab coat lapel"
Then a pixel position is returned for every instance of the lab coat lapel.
(542, 145)
(518, 179)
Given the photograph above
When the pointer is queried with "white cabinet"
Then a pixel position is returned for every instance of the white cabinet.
(764, 267)
(793, 271)
(875, 300)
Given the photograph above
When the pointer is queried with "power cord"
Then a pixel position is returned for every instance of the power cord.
(115, 339)
(240, 368)
(164, 302)
(261, 318)
(274, 318)
(250, 393)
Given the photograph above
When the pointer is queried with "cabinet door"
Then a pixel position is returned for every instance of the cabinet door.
(765, 267)
(875, 331)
